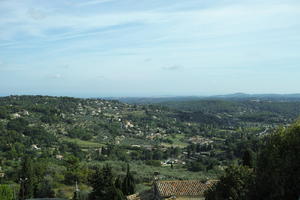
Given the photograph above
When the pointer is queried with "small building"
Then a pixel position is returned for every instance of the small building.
(59, 157)
(181, 189)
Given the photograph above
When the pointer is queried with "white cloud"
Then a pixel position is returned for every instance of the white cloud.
(209, 22)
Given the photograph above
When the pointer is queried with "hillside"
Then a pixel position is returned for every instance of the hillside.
(241, 111)
(69, 137)
(227, 97)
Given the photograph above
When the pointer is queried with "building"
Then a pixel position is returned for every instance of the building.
(181, 190)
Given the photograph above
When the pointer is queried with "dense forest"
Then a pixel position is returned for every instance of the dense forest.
(73, 148)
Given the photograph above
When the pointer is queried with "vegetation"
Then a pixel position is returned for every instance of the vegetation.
(6, 193)
(276, 175)
(56, 142)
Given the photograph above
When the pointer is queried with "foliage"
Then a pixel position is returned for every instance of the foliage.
(75, 172)
(18, 124)
(27, 179)
(3, 112)
(248, 158)
(6, 193)
(68, 137)
(196, 166)
(44, 190)
(236, 184)
(103, 185)
(277, 174)
(278, 167)
(155, 163)
(128, 185)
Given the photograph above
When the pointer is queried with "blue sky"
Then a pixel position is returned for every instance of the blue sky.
(94, 48)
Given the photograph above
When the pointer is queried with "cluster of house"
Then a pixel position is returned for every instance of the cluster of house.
(169, 162)
(19, 114)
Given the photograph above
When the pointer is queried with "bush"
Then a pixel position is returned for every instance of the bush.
(155, 163)
(6, 192)
(196, 167)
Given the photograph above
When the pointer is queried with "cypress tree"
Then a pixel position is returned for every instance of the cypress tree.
(104, 186)
(26, 179)
(128, 186)
(76, 195)
(247, 158)
(118, 183)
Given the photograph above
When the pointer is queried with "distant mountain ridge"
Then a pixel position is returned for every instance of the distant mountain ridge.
(234, 96)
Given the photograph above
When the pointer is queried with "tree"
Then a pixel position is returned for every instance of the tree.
(44, 190)
(103, 185)
(247, 158)
(277, 173)
(27, 179)
(18, 124)
(75, 171)
(3, 112)
(236, 184)
(278, 165)
(6, 193)
(76, 195)
(118, 183)
(128, 185)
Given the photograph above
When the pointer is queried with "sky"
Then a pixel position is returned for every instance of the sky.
(100, 48)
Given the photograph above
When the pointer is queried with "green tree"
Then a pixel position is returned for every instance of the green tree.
(118, 183)
(3, 112)
(26, 179)
(76, 195)
(196, 166)
(248, 158)
(103, 185)
(18, 124)
(278, 165)
(45, 190)
(6, 193)
(236, 184)
(75, 171)
(128, 185)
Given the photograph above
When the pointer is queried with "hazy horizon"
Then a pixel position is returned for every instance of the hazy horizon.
(154, 96)
(129, 48)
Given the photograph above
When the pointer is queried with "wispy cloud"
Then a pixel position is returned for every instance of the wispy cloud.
(173, 67)
(212, 21)
(55, 76)
(92, 2)
(36, 14)
(147, 59)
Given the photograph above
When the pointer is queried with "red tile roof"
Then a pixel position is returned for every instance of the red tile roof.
(182, 188)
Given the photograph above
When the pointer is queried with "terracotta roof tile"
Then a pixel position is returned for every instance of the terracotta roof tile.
(182, 188)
